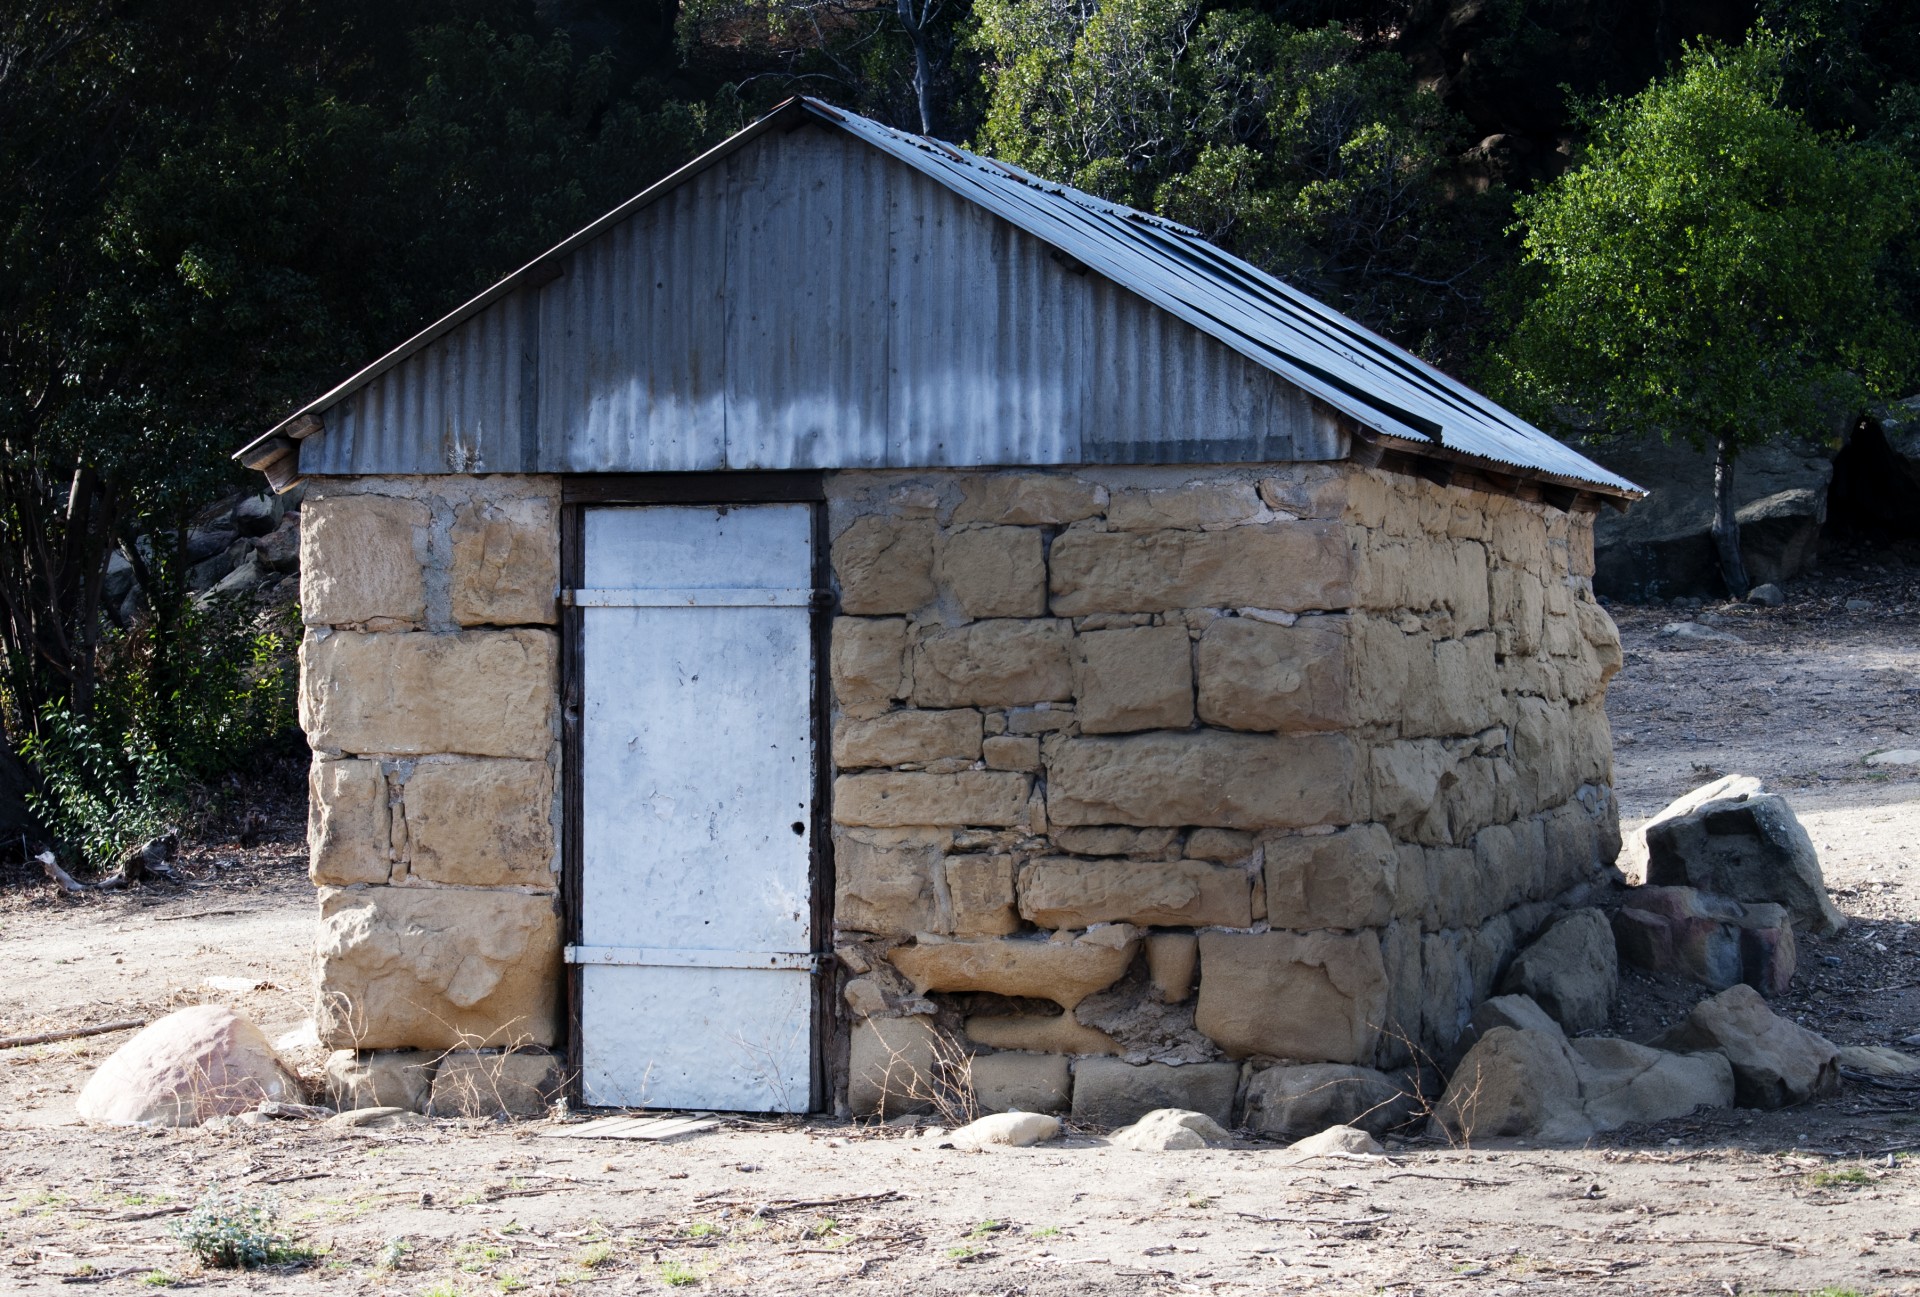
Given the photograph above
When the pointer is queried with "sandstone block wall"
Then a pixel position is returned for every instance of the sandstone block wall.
(1163, 772)
(429, 689)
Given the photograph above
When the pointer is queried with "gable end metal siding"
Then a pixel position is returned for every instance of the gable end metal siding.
(810, 302)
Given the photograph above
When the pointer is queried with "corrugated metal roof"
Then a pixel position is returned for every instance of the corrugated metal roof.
(1379, 385)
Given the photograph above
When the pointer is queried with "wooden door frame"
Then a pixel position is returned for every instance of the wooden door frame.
(578, 493)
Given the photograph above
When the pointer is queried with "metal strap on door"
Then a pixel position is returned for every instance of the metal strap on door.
(636, 957)
(692, 598)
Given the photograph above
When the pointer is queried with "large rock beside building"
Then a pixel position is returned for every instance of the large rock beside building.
(1750, 847)
(188, 1067)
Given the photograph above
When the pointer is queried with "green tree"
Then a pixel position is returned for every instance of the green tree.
(1715, 269)
(1299, 149)
(212, 214)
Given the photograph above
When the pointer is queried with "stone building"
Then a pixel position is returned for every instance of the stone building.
(858, 620)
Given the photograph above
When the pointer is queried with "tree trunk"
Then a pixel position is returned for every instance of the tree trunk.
(916, 28)
(1726, 531)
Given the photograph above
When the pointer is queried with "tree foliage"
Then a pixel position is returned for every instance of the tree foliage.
(1298, 148)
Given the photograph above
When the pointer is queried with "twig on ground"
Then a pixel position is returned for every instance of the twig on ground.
(72, 1033)
(198, 914)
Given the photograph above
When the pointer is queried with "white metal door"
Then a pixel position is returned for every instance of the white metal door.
(697, 807)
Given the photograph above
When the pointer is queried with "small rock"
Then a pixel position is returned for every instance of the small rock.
(1012, 1129)
(1291, 1101)
(256, 515)
(1768, 595)
(1714, 940)
(291, 1111)
(279, 549)
(1775, 1062)
(1859, 605)
(1694, 632)
(1337, 1139)
(1895, 757)
(1571, 971)
(1165, 1129)
(1877, 1060)
(1914, 1039)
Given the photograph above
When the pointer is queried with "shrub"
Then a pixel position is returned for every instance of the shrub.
(231, 1230)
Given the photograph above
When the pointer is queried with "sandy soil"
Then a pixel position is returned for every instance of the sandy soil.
(1821, 1198)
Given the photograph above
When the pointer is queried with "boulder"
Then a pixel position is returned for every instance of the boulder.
(1715, 940)
(257, 514)
(1108, 1092)
(1292, 1102)
(1663, 546)
(388, 1078)
(1532, 1082)
(1064, 971)
(1775, 1062)
(1571, 971)
(479, 1083)
(187, 1068)
(1516, 1011)
(1624, 1084)
(1877, 1060)
(1166, 1129)
(1750, 847)
(1007, 1129)
(1337, 1140)
(279, 549)
(1876, 476)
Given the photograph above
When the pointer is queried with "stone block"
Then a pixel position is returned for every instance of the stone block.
(1002, 663)
(347, 823)
(1295, 1102)
(1011, 752)
(1029, 499)
(1069, 893)
(1228, 846)
(1059, 1034)
(1108, 1092)
(884, 879)
(980, 892)
(891, 1068)
(1454, 689)
(898, 800)
(1236, 781)
(1256, 675)
(477, 1083)
(486, 823)
(1406, 780)
(1021, 1082)
(363, 559)
(868, 660)
(473, 693)
(506, 562)
(1346, 879)
(388, 1078)
(1140, 678)
(1775, 1062)
(996, 571)
(436, 968)
(1172, 960)
(1571, 971)
(906, 738)
(1515, 1083)
(885, 565)
(1446, 984)
(1316, 997)
(1064, 971)
(1113, 840)
(1192, 507)
(1291, 566)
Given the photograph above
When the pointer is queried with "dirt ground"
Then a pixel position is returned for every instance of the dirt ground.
(1823, 1198)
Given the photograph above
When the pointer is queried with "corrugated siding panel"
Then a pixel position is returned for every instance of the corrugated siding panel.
(633, 341)
(988, 338)
(452, 408)
(807, 304)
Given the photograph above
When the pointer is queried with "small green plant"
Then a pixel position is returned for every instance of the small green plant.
(964, 1252)
(231, 1230)
(1045, 1231)
(592, 1258)
(678, 1274)
(510, 1282)
(393, 1253)
(702, 1229)
(158, 1279)
(1836, 1179)
(1199, 1201)
(985, 1228)
(475, 1257)
(440, 1290)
